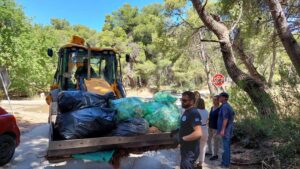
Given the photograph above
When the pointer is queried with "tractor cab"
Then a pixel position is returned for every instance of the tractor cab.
(86, 68)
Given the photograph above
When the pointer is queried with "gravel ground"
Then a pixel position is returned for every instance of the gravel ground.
(30, 154)
(32, 117)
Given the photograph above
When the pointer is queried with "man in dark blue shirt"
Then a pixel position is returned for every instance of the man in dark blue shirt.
(225, 127)
(189, 132)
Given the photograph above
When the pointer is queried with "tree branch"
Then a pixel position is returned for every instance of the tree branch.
(211, 40)
(239, 17)
(185, 21)
(205, 3)
(205, 40)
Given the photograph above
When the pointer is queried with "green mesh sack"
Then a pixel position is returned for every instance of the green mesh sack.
(149, 107)
(164, 97)
(165, 118)
(126, 107)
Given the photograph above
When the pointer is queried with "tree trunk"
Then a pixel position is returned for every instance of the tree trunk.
(254, 89)
(204, 59)
(272, 68)
(289, 42)
(238, 47)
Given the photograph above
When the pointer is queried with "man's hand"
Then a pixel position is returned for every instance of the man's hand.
(175, 136)
(174, 132)
(222, 133)
(224, 125)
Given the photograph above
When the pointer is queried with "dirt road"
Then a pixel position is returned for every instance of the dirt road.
(32, 120)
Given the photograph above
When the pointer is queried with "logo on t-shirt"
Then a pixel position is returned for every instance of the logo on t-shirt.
(183, 118)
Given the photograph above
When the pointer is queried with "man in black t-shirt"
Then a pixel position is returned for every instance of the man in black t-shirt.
(189, 132)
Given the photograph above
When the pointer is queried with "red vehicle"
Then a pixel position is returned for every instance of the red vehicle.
(9, 136)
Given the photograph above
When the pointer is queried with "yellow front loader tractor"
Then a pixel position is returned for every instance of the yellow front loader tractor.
(97, 70)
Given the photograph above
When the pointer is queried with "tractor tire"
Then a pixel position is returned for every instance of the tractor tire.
(7, 148)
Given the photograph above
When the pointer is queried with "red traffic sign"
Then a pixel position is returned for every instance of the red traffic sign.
(218, 79)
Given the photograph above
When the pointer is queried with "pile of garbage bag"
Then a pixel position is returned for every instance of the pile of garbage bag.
(84, 114)
(161, 113)
(164, 97)
(131, 127)
(165, 118)
(126, 107)
(85, 123)
(69, 101)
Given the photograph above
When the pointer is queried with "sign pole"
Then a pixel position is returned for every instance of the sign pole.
(218, 80)
(6, 93)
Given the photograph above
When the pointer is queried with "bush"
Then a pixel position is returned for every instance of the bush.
(251, 132)
(241, 104)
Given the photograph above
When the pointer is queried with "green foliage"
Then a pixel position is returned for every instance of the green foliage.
(286, 91)
(287, 132)
(125, 17)
(160, 55)
(242, 104)
(158, 40)
(174, 4)
(253, 132)
(23, 48)
(253, 129)
(60, 24)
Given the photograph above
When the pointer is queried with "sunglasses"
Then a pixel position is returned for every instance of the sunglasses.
(184, 100)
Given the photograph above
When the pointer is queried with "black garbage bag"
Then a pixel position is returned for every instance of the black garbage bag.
(85, 123)
(74, 100)
(131, 127)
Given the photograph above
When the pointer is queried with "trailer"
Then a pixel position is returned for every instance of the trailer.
(105, 77)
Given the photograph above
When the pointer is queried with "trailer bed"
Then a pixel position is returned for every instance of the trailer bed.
(68, 147)
(65, 148)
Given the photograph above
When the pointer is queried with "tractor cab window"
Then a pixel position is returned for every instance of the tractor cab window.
(73, 63)
(102, 65)
(82, 69)
(108, 66)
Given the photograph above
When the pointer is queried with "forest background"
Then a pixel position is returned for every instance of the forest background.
(174, 46)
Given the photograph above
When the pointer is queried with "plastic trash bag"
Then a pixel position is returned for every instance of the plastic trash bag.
(131, 127)
(84, 123)
(149, 107)
(102, 156)
(74, 100)
(164, 97)
(165, 118)
(126, 107)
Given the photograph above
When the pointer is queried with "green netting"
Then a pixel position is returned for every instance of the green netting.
(164, 97)
(126, 107)
(163, 116)
(149, 107)
(161, 113)
(103, 156)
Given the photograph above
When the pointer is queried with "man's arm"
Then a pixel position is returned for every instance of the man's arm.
(225, 113)
(222, 133)
(196, 134)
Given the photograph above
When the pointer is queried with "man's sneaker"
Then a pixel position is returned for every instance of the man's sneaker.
(208, 154)
(198, 166)
(214, 158)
